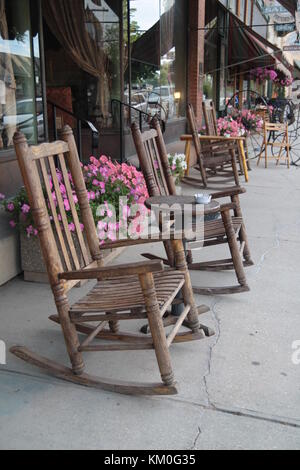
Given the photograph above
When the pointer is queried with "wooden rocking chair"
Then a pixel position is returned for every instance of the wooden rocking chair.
(211, 124)
(213, 153)
(125, 292)
(281, 143)
(154, 162)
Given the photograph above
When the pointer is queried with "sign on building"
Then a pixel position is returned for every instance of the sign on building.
(292, 48)
(272, 10)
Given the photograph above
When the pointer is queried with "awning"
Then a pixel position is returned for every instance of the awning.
(290, 5)
(157, 41)
(250, 49)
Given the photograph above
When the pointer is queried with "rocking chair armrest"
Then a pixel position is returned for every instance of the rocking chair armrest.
(228, 207)
(216, 138)
(229, 192)
(128, 242)
(157, 238)
(110, 272)
(221, 138)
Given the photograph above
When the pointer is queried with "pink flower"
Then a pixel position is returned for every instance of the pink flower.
(10, 207)
(25, 209)
(2, 197)
(30, 231)
(103, 159)
(62, 189)
(102, 186)
(72, 227)
(13, 224)
(67, 205)
(59, 176)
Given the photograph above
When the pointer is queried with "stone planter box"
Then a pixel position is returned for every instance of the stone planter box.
(32, 260)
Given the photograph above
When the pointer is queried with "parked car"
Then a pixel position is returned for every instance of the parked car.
(23, 118)
(139, 102)
(165, 97)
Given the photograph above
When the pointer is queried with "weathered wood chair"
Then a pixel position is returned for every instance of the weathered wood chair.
(154, 162)
(213, 153)
(211, 125)
(281, 143)
(125, 292)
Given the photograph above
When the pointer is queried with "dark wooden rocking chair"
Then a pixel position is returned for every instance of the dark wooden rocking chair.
(229, 230)
(211, 124)
(135, 291)
(214, 154)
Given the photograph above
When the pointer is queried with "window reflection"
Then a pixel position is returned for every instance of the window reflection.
(158, 57)
(20, 106)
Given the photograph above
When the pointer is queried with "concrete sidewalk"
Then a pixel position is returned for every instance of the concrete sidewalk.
(238, 390)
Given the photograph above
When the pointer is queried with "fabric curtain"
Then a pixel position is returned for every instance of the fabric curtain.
(79, 32)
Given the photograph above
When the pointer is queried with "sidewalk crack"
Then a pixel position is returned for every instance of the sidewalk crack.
(217, 322)
(199, 432)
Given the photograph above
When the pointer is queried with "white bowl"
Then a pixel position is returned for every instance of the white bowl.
(203, 198)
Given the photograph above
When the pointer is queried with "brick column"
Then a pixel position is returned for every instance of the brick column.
(196, 55)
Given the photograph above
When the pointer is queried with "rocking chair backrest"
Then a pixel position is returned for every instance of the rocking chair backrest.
(153, 158)
(62, 250)
(195, 132)
(210, 117)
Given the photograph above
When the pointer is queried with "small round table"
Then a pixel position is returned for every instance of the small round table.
(179, 205)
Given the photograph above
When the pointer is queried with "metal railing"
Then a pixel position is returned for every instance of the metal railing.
(143, 118)
(79, 122)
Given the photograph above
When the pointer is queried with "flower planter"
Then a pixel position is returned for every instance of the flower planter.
(178, 190)
(32, 260)
(177, 186)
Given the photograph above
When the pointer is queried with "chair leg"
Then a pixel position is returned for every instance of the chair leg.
(234, 249)
(234, 167)
(157, 329)
(188, 157)
(69, 330)
(288, 149)
(260, 156)
(243, 233)
(203, 171)
(239, 157)
(114, 326)
(187, 290)
(169, 252)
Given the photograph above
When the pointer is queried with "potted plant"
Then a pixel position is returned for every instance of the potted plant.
(230, 127)
(178, 167)
(112, 189)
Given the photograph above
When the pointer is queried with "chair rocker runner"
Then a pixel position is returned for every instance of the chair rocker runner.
(154, 162)
(135, 291)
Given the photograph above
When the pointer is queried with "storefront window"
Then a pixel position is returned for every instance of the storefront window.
(158, 58)
(82, 52)
(211, 59)
(173, 57)
(21, 103)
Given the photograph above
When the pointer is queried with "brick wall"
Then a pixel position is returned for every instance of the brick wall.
(196, 55)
